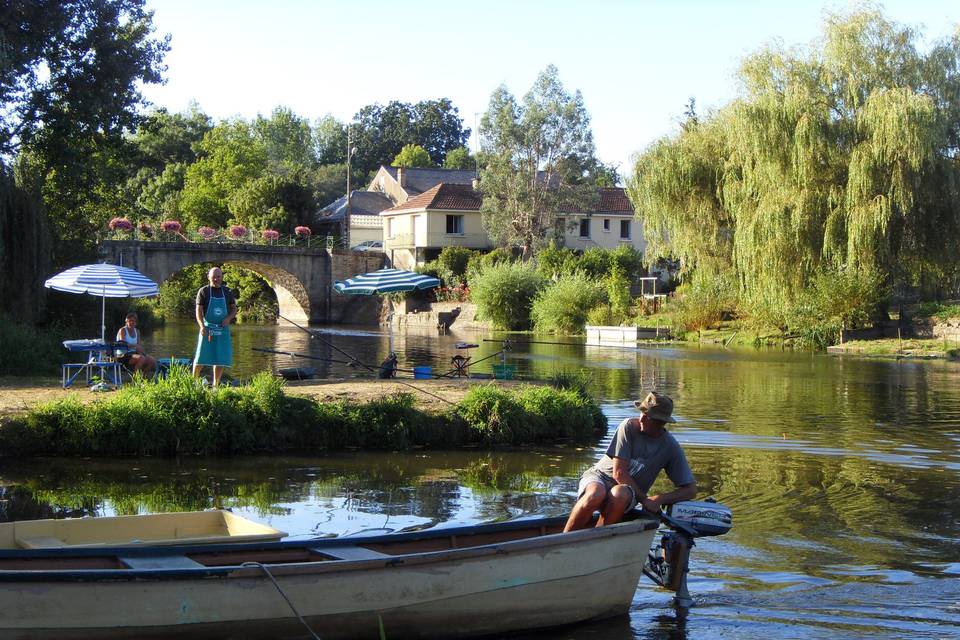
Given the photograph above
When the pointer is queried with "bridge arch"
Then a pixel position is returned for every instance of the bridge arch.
(292, 298)
(301, 277)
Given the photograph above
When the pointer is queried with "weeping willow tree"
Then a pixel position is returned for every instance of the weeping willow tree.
(838, 158)
(24, 246)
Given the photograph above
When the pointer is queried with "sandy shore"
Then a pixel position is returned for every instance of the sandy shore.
(21, 394)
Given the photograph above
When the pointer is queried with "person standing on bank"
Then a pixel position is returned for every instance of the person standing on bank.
(216, 308)
(620, 480)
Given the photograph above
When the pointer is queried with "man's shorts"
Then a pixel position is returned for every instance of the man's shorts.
(591, 476)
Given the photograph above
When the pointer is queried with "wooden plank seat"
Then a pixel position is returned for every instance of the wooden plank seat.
(40, 542)
(174, 561)
(350, 552)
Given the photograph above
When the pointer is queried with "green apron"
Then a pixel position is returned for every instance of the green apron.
(215, 348)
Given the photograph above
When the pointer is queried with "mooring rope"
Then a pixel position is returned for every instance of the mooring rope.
(289, 603)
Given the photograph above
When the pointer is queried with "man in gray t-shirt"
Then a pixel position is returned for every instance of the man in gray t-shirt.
(620, 480)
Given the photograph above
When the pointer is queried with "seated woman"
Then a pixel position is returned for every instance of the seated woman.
(134, 359)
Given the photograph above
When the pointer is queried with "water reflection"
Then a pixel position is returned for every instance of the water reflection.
(843, 476)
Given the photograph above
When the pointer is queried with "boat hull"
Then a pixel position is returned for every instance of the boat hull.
(548, 581)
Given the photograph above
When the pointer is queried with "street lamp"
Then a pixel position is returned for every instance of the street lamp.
(346, 219)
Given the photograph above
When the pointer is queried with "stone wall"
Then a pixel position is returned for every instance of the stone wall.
(444, 316)
(948, 330)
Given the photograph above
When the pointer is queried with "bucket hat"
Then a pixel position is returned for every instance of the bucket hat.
(658, 407)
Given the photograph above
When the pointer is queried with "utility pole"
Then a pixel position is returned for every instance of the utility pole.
(346, 218)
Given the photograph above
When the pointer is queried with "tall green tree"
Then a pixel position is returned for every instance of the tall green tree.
(288, 141)
(164, 146)
(535, 161)
(460, 158)
(330, 141)
(412, 155)
(840, 158)
(163, 138)
(72, 70)
(71, 74)
(230, 156)
(379, 133)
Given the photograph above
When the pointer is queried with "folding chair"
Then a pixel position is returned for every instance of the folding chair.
(461, 366)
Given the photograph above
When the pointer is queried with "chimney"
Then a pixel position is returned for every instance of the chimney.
(400, 177)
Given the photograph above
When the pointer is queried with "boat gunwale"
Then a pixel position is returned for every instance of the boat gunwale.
(637, 523)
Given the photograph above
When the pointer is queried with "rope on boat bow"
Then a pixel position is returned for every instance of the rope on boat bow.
(289, 603)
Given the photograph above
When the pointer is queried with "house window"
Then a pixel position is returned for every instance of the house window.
(455, 225)
(624, 229)
(585, 228)
(606, 224)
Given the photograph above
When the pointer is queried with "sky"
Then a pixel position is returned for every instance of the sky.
(637, 63)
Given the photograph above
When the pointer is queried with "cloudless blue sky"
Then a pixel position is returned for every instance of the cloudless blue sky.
(636, 62)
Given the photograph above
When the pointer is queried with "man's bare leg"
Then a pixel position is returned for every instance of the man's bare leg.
(591, 500)
(615, 506)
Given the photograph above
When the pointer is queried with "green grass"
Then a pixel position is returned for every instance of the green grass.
(913, 347)
(937, 310)
(177, 416)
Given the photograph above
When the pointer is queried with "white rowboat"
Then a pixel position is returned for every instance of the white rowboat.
(442, 583)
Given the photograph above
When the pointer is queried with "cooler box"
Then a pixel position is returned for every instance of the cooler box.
(504, 371)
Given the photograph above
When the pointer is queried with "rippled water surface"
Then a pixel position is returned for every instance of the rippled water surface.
(843, 475)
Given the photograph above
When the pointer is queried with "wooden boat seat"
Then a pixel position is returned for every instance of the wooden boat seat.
(350, 552)
(40, 542)
(159, 562)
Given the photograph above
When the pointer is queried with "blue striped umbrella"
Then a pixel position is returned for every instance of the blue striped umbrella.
(385, 281)
(106, 281)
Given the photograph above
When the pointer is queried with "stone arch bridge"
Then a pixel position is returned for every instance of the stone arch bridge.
(301, 277)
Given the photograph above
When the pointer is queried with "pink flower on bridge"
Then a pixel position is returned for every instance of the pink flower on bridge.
(173, 226)
(238, 231)
(120, 224)
(207, 233)
(303, 232)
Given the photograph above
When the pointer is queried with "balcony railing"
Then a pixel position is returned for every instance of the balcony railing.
(224, 236)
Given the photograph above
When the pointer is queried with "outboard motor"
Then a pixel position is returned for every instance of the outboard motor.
(667, 564)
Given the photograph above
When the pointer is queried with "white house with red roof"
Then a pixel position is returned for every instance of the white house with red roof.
(423, 210)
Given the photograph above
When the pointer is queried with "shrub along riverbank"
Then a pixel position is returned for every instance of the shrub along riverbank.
(177, 416)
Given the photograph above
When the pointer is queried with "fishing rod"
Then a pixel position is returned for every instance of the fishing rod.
(314, 336)
(350, 363)
(354, 361)
(293, 354)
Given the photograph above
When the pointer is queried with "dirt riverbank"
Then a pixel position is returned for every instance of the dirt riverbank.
(21, 394)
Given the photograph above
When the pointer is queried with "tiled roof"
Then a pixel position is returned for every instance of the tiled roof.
(611, 200)
(368, 203)
(448, 197)
(462, 197)
(417, 180)
(614, 199)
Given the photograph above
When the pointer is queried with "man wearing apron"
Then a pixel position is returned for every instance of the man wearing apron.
(216, 308)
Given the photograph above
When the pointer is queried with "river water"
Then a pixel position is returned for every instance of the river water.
(843, 475)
